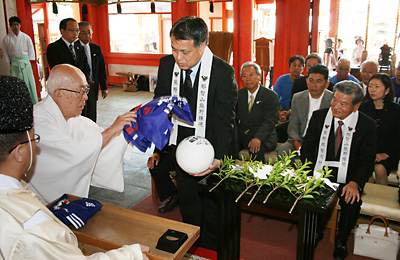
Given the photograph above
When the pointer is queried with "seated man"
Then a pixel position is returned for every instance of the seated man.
(74, 151)
(28, 230)
(160, 164)
(368, 69)
(344, 138)
(284, 84)
(256, 113)
(343, 72)
(304, 104)
(300, 84)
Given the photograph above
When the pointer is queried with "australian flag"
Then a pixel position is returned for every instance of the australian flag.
(152, 122)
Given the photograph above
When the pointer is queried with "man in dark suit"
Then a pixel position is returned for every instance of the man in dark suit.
(97, 66)
(185, 73)
(256, 113)
(338, 135)
(67, 50)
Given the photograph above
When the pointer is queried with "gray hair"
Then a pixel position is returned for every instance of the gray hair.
(248, 64)
(370, 61)
(84, 23)
(349, 87)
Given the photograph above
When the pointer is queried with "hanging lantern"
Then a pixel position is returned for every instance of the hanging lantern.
(153, 6)
(84, 9)
(119, 9)
(55, 8)
(212, 6)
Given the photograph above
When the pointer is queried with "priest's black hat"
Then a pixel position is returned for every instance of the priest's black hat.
(16, 108)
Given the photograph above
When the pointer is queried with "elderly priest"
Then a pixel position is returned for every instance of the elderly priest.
(28, 230)
(74, 152)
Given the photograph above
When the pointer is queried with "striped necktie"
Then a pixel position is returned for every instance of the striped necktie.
(71, 48)
(251, 103)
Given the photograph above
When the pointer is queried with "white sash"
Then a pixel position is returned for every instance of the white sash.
(343, 163)
(202, 95)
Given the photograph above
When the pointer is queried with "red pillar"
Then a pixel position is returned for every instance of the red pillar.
(181, 9)
(292, 33)
(242, 35)
(315, 18)
(24, 12)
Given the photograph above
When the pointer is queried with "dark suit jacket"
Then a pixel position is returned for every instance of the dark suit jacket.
(59, 53)
(98, 68)
(261, 121)
(362, 151)
(222, 97)
(388, 127)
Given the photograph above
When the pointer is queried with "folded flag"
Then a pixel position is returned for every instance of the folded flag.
(152, 123)
(76, 212)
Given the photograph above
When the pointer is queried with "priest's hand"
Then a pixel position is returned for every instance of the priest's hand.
(214, 165)
(145, 249)
(351, 192)
(116, 128)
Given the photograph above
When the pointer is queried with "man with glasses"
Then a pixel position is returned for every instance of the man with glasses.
(18, 50)
(27, 228)
(67, 50)
(97, 66)
(343, 72)
(74, 151)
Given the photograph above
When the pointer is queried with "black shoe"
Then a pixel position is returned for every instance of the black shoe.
(340, 252)
(168, 206)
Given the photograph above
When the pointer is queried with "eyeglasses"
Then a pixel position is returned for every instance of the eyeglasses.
(86, 90)
(36, 139)
(73, 30)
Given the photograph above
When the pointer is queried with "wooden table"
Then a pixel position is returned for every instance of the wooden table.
(113, 227)
(229, 217)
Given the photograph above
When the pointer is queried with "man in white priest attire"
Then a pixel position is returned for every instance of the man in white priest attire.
(209, 85)
(75, 152)
(18, 50)
(28, 230)
(345, 139)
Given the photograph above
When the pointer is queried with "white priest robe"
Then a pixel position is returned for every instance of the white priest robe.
(20, 45)
(69, 157)
(46, 238)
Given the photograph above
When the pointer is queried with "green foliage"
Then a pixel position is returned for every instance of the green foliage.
(273, 176)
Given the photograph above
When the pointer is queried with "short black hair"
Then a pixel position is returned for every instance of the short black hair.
(8, 141)
(315, 56)
(296, 57)
(14, 19)
(387, 82)
(190, 28)
(63, 23)
(319, 69)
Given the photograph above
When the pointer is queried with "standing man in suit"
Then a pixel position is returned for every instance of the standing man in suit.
(97, 66)
(67, 50)
(256, 113)
(209, 85)
(304, 104)
(344, 138)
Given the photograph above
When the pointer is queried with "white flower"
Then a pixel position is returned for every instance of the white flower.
(289, 171)
(262, 172)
